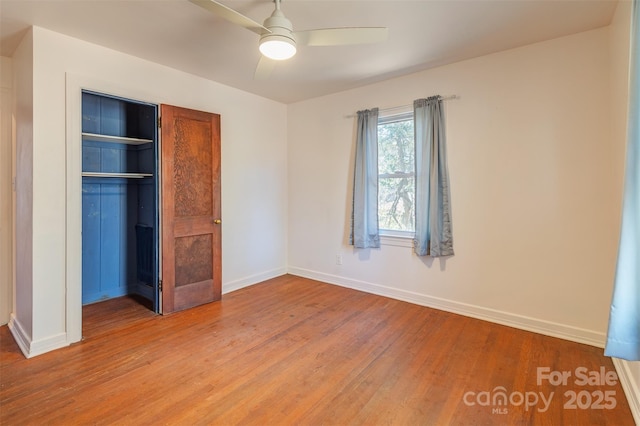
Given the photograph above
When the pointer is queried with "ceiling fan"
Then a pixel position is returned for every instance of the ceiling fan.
(279, 42)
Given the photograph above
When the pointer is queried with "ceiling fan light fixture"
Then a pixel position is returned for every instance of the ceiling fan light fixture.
(279, 43)
(277, 47)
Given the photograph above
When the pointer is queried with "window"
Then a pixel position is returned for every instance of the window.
(392, 198)
(396, 175)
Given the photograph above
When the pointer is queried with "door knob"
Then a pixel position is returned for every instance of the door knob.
(217, 221)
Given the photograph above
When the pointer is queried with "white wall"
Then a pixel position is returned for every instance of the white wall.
(253, 171)
(619, 48)
(21, 322)
(534, 180)
(6, 191)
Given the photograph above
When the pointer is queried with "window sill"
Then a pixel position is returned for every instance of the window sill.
(396, 238)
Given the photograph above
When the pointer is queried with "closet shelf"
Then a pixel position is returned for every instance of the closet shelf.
(117, 175)
(114, 139)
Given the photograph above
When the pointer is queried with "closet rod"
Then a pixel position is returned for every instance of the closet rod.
(117, 175)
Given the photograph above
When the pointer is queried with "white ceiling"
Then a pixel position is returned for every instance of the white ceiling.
(422, 34)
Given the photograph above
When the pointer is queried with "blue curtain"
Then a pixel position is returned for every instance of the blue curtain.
(433, 208)
(364, 219)
(623, 338)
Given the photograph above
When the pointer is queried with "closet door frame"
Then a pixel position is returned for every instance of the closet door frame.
(75, 83)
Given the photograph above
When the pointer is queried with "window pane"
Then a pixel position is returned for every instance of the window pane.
(396, 184)
(396, 200)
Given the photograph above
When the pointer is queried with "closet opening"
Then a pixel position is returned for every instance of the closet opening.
(120, 199)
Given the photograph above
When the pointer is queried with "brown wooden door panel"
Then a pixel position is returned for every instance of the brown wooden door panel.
(197, 225)
(191, 238)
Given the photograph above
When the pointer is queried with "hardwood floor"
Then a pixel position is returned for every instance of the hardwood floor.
(297, 351)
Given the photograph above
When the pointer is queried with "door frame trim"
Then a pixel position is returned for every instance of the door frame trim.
(75, 83)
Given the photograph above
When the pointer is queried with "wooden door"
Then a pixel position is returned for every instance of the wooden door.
(191, 240)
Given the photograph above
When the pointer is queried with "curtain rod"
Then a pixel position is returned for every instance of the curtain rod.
(442, 98)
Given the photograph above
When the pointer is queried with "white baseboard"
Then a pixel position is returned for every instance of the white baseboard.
(630, 385)
(252, 279)
(19, 335)
(547, 328)
(30, 347)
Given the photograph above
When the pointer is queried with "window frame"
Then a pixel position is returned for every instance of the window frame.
(396, 237)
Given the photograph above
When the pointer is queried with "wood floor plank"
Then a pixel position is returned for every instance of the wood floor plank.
(296, 351)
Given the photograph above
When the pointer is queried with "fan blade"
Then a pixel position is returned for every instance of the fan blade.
(265, 68)
(231, 15)
(341, 36)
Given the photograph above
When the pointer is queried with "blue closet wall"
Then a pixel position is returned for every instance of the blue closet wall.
(119, 215)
